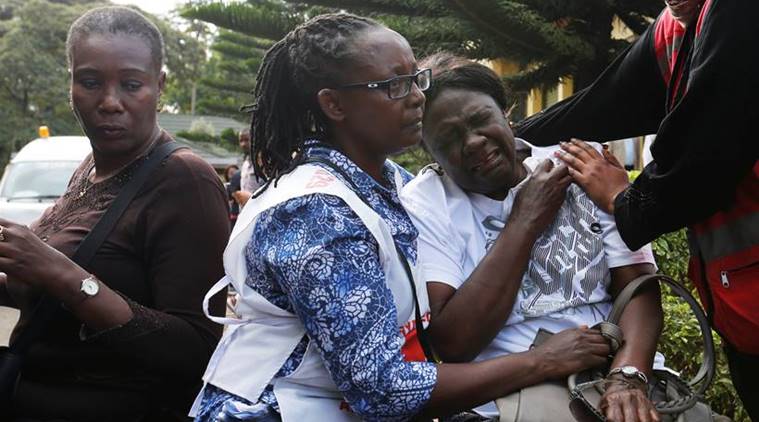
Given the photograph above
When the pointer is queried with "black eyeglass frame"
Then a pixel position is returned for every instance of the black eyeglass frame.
(386, 83)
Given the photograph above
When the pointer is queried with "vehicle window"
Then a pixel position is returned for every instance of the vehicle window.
(37, 180)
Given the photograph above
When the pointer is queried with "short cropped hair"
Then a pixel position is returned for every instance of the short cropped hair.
(114, 20)
(454, 72)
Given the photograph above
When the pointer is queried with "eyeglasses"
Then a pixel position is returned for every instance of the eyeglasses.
(399, 86)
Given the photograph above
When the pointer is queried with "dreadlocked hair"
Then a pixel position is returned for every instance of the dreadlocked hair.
(285, 113)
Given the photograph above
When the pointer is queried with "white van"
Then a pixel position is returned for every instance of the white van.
(38, 175)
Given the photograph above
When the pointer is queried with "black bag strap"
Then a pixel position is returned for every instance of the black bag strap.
(48, 305)
(421, 332)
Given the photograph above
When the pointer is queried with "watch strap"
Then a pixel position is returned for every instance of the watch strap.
(630, 372)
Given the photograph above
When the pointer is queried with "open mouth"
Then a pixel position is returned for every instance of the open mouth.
(487, 163)
(415, 125)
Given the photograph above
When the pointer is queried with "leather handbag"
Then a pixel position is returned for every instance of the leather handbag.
(578, 398)
(12, 357)
(545, 401)
(676, 400)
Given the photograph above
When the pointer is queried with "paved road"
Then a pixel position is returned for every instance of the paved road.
(8, 318)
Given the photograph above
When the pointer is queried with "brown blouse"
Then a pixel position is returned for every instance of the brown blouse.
(163, 256)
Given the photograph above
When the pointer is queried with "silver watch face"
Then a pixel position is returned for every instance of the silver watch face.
(629, 371)
(90, 287)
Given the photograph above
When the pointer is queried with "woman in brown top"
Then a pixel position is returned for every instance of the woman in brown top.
(136, 349)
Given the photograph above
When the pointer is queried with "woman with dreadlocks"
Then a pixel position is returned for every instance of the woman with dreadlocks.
(330, 322)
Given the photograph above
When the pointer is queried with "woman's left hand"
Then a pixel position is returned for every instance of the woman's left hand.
(26, 258)
(602, 178)
(624, 401)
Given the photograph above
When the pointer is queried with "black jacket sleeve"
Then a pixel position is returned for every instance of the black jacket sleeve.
(704, 145)
(626, 100)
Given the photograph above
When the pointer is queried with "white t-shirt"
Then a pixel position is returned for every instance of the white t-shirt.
(567, 279)
(248, 181)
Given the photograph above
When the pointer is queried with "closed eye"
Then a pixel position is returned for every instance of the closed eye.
(479, 118)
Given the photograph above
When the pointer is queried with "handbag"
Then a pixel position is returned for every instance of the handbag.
(676, 400)
(545, 401)
(578, 397)
(12, 357)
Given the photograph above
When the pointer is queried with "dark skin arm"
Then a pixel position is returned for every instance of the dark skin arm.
(641, 323)
(493, 285)
(28, 259)
(467, 385)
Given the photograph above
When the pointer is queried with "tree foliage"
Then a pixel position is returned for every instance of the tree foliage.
(681, 342)
(230, 73)
(546, 38)
(34, 78)
(33, 71)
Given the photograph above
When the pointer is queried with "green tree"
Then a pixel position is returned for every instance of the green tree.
(547, 38)
(34, 78)
(234, 62)
(186, 44)
(33, 71)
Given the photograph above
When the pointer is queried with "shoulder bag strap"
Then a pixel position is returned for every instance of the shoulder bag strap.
(705, 374)
(48, 305)
(421, 332)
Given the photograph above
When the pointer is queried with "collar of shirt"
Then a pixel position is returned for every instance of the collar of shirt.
(383, 199)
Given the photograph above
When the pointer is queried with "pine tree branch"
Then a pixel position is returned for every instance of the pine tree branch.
(510, 21)
(420, 8)
(235, 87)
(236, 51)
(242, 39)
(540, 76)
(244, 68)
(263, 20)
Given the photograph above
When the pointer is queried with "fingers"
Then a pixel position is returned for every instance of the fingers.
(10, 224)
(587, 152)
(630, 409)
(7, 249)
(7, 265)
(608, 156)
(12, 231)
(577, 151)
(559, 171)
(566, 180)
(545, 166)
(569, 159)
(613, 411)
(622, 403)
(600, 350)
(645, 413)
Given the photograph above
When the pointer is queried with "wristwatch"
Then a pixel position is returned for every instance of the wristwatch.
(90, 286)
(632, 372)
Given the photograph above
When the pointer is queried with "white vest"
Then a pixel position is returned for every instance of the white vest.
(255, 347)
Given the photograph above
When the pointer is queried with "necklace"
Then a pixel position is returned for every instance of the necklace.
(87, 184)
